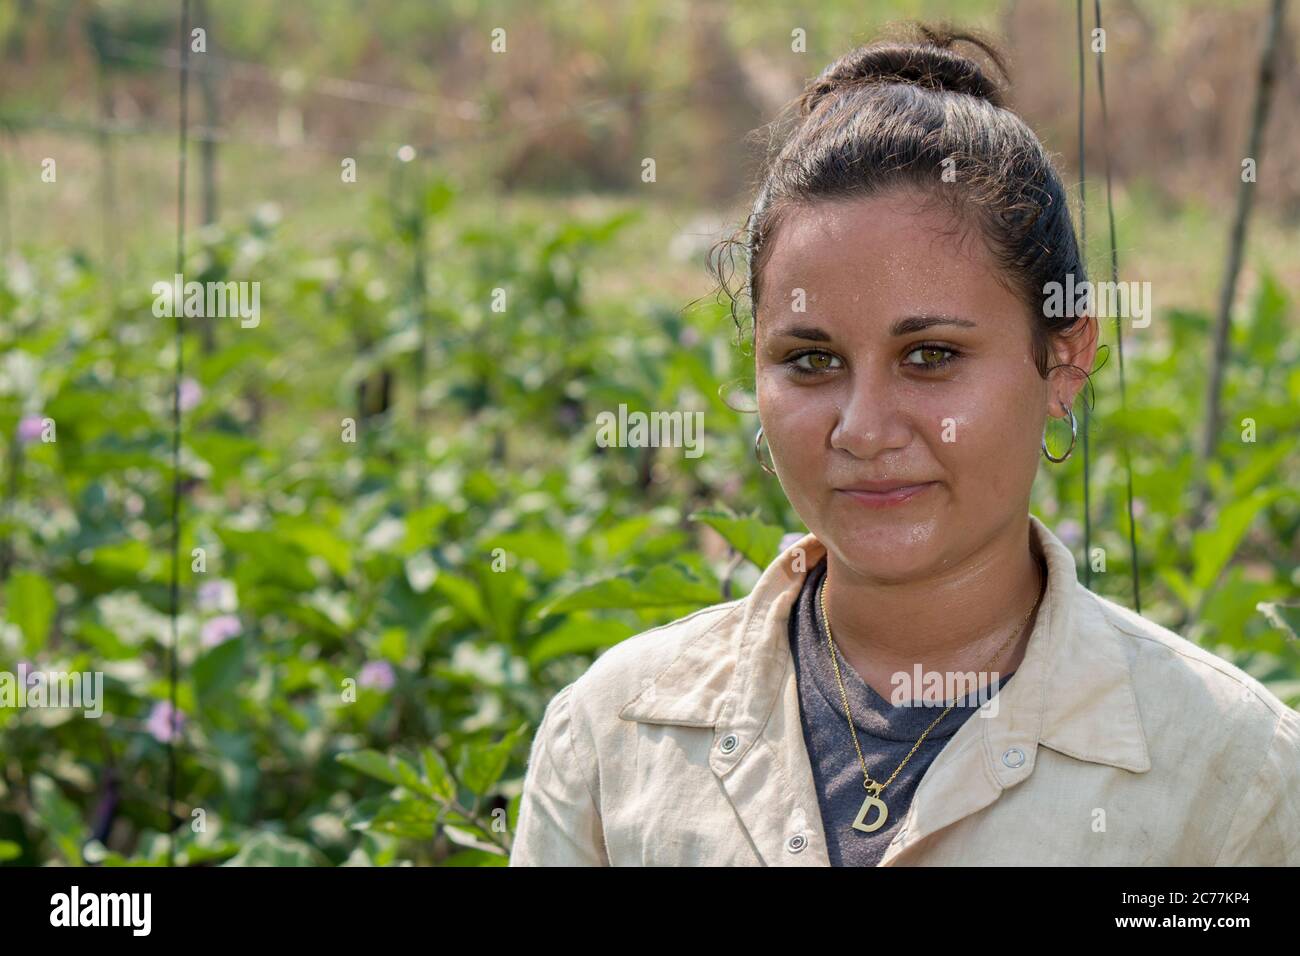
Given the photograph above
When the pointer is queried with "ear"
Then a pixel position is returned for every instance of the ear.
(1076, 346)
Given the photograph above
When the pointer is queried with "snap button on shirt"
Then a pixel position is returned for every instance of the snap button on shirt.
(729, 743)
(1014, 757)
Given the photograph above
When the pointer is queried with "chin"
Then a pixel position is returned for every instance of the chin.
(887, 548)
(887, 562)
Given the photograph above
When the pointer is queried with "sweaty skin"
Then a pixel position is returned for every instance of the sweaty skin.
(942, 578)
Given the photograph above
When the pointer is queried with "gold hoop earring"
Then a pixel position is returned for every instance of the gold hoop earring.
(758, 440)
(1074, 432)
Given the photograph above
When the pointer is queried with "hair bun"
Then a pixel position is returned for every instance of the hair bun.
(928, 62)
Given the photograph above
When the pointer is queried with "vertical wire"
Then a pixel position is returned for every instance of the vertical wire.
(1083, 257)
(177, 312)
(1119, 335)
(419, 283)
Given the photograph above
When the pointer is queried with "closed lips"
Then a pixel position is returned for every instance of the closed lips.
(883, 487)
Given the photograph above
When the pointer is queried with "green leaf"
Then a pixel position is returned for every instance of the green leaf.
(610, 543)
(126, 562)
(512, 812)
(1178, 583)
(410, 777)
(275, 849)
(314, 539)
(472, 837)
(217, 670)
(437, 197)
(1267, 323)
(1213, 548)
(373, 764)
(265, 558)
(578, 635)
(359, 815)
(547, 547)
(758, 542)
(9, 850)
(472, 857)
(665, 585)
(503, 595)
(59, 817)
(464, 596)
(420, 812)
(437, 774)
(422, 527)
(483, 766)
(392, 644)
(408, 819)
(29, 602)
(1261, 472)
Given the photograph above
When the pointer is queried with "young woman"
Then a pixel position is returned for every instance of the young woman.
(921, 679)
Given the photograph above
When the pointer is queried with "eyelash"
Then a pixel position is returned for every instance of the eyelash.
(925, 367)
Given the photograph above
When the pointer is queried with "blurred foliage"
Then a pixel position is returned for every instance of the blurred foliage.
(381, 622)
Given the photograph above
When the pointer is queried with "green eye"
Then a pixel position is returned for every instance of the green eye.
(810, 363)
(931, 356)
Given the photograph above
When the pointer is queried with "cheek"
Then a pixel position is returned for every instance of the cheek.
(792, 415)
(796, 422)
(993, 428)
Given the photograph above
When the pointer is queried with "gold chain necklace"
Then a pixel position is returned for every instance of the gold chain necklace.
(873, 787)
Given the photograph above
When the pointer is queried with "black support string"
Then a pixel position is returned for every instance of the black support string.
(1083, 257)
(177, 312)
(1119, 334)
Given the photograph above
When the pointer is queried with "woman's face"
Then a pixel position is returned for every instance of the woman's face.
(910, 365)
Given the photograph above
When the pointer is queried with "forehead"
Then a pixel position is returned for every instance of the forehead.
(893, 250)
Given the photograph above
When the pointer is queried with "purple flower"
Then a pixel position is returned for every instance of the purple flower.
(218, 595)
(30, 428)
(378, 674)
(1069, 531)
(218, 629)
(191, 392)
(164, 722)
(789, 539)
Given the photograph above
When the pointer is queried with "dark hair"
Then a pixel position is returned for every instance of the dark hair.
(897, 114)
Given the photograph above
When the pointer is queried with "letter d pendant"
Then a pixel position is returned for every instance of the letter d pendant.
(872, 801)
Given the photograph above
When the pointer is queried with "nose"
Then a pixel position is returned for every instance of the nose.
(872, 421)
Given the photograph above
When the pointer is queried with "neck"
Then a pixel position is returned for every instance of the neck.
(951, 621)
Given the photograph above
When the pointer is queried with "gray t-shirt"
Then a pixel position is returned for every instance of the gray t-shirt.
(885, 733)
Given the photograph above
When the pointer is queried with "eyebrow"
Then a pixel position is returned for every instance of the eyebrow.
(906, 326)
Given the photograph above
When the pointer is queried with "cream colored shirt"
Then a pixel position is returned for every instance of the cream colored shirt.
(1117, 743)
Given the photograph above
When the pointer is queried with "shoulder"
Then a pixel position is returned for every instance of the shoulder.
(680, 666)
(1170, 662)
(637, 662)
(1192, 697)
(1201, 711)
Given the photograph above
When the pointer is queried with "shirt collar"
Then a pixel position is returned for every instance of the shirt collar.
(1073, 691)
